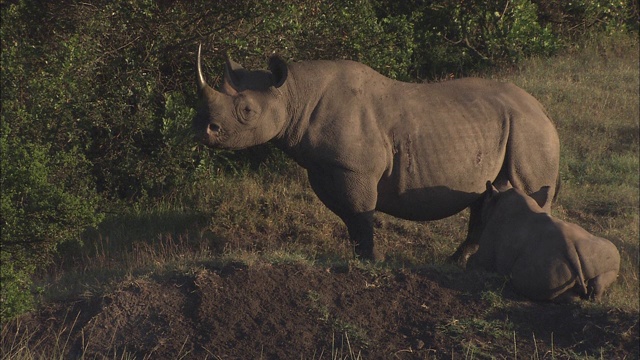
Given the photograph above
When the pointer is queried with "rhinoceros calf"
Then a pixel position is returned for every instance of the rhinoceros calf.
(414, 151)
(543, 256)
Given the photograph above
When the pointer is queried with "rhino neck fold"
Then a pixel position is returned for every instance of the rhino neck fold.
(302, 102)
(290, 138)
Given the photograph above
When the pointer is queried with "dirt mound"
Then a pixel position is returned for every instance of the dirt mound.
(302, 311)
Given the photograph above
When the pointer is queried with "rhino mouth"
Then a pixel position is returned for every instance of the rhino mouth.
(211, 140)
(207, 138)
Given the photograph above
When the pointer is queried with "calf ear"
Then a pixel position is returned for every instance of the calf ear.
(491, 190)
(489, 186)
(278, 68)
(541, 196)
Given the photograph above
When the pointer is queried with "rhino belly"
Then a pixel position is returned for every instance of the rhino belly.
(432, 194)
(436, 169)
(429, 185)
(430, 203)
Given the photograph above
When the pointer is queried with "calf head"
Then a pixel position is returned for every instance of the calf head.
(512, 200)
(250, 111)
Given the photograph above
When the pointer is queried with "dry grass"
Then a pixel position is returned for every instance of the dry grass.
(592, 95)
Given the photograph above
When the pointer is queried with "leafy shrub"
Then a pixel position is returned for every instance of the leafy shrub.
(572, 19)
(460, 36)
(48, 194)
(454, 36)
(15, 293)
(45, 201)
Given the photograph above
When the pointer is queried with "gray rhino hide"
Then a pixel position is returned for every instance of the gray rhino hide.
(415, 151)
(543, 256)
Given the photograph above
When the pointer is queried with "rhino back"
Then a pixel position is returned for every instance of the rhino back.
(520, 234)
(541, 261)
(423, 144)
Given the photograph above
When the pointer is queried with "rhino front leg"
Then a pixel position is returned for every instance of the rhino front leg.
(353, 198)
(470, 245)
(360, 227)
(600, 283)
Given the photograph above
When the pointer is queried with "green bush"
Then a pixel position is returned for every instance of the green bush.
(573, 19)
(48, 192)
(456, 37)
(15, 294)
(461, 36)
(45, 201)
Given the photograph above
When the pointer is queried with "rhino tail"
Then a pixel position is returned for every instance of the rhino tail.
(557, 191)
(574, 261)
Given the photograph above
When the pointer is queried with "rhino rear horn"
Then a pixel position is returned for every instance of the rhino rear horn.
(233, 74)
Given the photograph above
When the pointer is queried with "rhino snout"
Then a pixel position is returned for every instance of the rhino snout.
(207, 134)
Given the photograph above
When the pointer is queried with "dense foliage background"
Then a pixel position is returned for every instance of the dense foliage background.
(97, 97)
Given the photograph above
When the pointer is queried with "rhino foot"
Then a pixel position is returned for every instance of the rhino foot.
(369, 254)
(597, 285)
(462, 254)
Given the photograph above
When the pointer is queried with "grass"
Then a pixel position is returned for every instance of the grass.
(22, 348)
(592, 95)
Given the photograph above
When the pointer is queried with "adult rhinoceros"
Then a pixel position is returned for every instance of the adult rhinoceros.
(414, 151)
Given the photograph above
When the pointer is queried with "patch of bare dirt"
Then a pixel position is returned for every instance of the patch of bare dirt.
(308, 312)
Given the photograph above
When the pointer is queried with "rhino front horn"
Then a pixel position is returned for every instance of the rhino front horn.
(201, 82)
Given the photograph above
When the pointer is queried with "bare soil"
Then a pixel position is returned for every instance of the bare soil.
(298, 311)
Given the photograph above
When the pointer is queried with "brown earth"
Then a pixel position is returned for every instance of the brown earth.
(298, 311)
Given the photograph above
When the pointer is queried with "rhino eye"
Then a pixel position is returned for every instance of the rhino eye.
(246, 112)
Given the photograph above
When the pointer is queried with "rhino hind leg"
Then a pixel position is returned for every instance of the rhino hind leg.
(533, 155)
(543, 279)
(597, 285)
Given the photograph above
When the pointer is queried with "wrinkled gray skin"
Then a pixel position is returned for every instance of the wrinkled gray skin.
(544, 257)
(415, 151)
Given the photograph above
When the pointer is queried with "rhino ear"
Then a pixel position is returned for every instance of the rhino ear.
(278, 68)
(541, 196)
(233, 73)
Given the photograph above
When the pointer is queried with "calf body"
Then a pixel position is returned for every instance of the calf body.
(543, 256)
